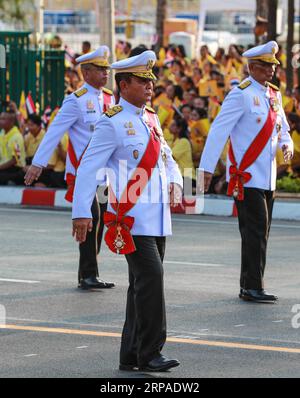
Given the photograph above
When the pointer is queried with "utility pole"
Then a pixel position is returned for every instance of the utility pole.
(107, 28)
(290, 44)
(272, 19)
(161, 12)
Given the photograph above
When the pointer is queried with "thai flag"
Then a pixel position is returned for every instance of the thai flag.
(46, 116)
(30, 105)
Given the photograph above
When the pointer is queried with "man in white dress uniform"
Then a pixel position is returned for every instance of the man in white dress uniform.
(143, 176)
(253, 118)
(78, 115)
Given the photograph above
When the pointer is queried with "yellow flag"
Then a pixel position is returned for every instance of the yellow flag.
(22, 106)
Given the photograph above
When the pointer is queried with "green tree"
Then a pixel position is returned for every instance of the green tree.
(16, 12)
(161, 12)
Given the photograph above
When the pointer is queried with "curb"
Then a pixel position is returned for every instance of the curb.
(211, 205)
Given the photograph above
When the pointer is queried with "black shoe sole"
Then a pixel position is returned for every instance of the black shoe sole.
(128, 367)
(86, 287)
(163, 368)
(245, 298)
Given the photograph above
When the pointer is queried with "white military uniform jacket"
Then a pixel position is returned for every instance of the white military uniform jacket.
(242, 116)
(118, 145)
(78, 115)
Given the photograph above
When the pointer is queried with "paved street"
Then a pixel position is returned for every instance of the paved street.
(55, 330)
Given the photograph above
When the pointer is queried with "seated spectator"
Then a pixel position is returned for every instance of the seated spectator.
(200, 102)
(57, 164)
(12, 150)
(294, 120)
(283, 168)
(218, 183)
(33, 137)
(182, 149)
(189, 96)
(186, 111)
(199, 129)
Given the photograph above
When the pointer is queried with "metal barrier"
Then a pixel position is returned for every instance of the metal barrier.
(28, 69)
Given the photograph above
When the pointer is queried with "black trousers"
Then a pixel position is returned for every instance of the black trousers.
(144, 331)
(14, 174)
(88, 250)
(255, 216)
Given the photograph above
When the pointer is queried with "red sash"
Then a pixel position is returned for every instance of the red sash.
(118, 237)
(238, 175)
(70, 178)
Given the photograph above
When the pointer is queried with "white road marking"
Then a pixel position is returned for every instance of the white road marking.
(173, 262)
(30, 355)
(279, 320)
(18, 280)
(221, 222)
(239, 326)
(83, 346)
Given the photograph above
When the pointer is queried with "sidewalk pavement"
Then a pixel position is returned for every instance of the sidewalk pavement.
(286, 207)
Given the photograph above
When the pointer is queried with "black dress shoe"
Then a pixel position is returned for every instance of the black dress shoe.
(160, 364)
(128, 367)
(258, 296)
(93, 282)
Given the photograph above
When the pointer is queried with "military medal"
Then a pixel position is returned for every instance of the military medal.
(274, 104)
(278, 129)
(90, 106)
(119, 243)
(258, 120)
(235, 193)
(131, 132)
(135, 154)
(256, 101)
(164, 157)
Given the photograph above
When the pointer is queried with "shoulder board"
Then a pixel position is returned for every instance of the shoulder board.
(80, 92)
(148, 108)
(107, 91)
(273, 86)
(114, 110)
(244, 85)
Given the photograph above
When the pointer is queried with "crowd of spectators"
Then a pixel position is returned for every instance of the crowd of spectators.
(188, 95)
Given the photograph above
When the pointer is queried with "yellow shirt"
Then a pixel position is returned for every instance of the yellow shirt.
(169, 137)
(56, 161)
(182, 153)
(296, 140)
(12, 146)
(32, 143)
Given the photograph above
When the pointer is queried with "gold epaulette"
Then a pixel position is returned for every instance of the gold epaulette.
(114, 110)
(107, 91)
(273, 86)
(80, 92)
(244, 85)
(150, 109)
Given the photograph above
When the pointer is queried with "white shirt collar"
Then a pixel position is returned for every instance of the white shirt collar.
(258, 85)
(130, 107)
(92, 89)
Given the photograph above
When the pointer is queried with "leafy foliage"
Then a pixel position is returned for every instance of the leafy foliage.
(289, 184)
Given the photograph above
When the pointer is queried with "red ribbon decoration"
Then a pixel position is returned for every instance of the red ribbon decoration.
(70, 179)
(118, 237)
(238, 175)
(119, 226)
